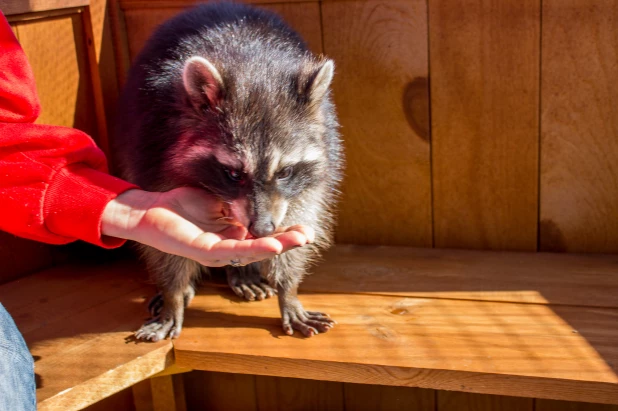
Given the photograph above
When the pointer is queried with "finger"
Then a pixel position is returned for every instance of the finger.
(245, 249)
(308, 232)
(291, 239)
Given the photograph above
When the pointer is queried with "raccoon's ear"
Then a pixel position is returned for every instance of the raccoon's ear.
(319, 81)
(202, 82)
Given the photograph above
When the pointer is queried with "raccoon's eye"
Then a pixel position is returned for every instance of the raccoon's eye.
(235, 176)
(285, 173)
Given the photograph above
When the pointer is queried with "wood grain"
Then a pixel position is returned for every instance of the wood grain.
(526, 350)
(217, 391)
(140, 24)
(88, 44)
(55, 51)
(579, 150)
(302, 17)
(539, 278)
(12, 7)
(142, 396)
(121, 401)
(76, 325)
(549, 405)
(484, 59)
(283, 394)
(162, 389)
(460, 401)
(380, 52)
(374, 397)
(20, 257)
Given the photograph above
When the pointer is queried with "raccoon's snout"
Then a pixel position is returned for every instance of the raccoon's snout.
(262, 227)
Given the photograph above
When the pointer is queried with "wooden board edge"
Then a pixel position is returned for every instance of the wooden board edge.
(449, 380)
(111, 382)
(10, 8)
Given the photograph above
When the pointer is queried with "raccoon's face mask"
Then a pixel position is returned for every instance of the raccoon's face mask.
(266, 151)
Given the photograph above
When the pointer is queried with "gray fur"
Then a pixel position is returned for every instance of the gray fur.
(261, 102)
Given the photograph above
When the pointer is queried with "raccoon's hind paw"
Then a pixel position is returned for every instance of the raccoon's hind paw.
(309, 323)
(250, 286)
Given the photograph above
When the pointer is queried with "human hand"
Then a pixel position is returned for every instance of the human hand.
(191, 223)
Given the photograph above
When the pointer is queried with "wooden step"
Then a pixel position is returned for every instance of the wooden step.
(527, 325)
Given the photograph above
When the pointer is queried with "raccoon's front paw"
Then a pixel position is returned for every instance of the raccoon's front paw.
(158, 328)
(308, 322)
(247, 283)
(155, 306)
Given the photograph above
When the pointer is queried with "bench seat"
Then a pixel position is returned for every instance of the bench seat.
(521, 324)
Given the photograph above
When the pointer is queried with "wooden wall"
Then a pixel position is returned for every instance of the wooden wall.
(235, 392)
(490, 125)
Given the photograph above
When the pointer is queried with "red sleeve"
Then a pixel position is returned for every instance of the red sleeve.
(54, 182)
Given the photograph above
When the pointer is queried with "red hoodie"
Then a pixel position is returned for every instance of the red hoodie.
(54, 182)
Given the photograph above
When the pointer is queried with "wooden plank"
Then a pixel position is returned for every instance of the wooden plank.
(142, 396)
(550, 405)
(58, 61)
(484, 59)
(220, 391)
(376, 397)
(163, 398)
(380, 52)
(121, 401)
(460, 401)
(141, 23)
(579, 150)
(283, 394)
(527, 350)
(103, 44)
(11, 7)
(95, 80)
(145, 4)
(77, 324)
(180, 397)
(20, 256)
(539, 278)
(304, 18)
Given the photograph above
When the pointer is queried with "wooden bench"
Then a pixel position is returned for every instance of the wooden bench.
(526, 325)
(517, 324)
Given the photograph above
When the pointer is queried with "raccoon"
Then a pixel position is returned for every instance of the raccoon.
(227, 97)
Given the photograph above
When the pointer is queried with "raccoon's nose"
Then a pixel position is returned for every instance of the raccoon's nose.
(261, 228)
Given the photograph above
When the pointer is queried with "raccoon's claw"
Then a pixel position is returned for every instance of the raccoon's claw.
(252, 292)
(309, 323)
(158, 329)
(249, 285)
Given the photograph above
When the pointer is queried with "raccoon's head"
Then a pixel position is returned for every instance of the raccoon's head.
(257, 138)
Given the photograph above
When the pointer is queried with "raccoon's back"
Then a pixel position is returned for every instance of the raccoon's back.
(239, 40)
